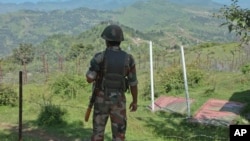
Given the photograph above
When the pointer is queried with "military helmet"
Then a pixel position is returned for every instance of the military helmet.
(112, 33)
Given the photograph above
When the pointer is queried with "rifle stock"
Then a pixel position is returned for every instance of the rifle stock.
(92, 99)
(87, 114)
(91, 103)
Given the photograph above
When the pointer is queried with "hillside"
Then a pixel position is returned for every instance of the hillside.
(55, 91)
(221, 79)
(91, 40)
(164, 22)
(176, 23)
(35, 26)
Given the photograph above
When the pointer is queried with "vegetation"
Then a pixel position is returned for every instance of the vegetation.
(24, 54)
(178, 23)
(172, 78)
(56, 94)
(57, 105)
(51, 115)
(8, 96)
(237, 20)
(67, 85)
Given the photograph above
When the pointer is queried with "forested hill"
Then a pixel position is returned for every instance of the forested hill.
(29, 26)
(164, 22)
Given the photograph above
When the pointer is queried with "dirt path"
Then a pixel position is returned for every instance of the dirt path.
(34, 133)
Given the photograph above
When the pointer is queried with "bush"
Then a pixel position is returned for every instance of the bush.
(8, 96)
(173, 80)
(245, 69)
(67, 84)
(51, 115)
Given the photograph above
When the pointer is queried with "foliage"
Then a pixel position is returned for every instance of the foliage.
(245, 69)
(8, 96)
(165, 23)
(207, 45)
(173, 81)
(237, 19)
(24, 54)
(146, 92)
(78, 50)
(67, 84)
(230, 85)
(51, 115)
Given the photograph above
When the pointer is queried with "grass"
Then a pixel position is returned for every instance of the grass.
(143, 125)
(139, 127)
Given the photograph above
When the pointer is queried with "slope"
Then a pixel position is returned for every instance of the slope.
(174, 23)
(162, 21)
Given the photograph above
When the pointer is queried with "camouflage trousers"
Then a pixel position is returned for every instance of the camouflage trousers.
(111, 105)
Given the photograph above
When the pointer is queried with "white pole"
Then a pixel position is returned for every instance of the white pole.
(151, 75)
(185, 80)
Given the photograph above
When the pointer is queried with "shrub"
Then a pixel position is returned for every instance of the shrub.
(67, 84)
(173, 81)
(8, 96)
(51, 115)
(245, 69)
(146, 92)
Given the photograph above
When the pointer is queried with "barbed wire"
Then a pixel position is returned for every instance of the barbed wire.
(60, 105)
(14, 81)
(135, 118)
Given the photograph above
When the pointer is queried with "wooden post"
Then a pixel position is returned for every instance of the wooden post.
(20, 103)
(1, 73)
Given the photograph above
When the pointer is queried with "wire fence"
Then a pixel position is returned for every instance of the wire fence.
(134, 119)
(143, 132)
(233, 63)
(13, 79)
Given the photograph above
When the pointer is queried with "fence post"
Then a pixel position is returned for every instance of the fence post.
(185, 80)
(20, 103)
(151, 75)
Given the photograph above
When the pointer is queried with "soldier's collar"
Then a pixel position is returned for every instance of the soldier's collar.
(114, 48)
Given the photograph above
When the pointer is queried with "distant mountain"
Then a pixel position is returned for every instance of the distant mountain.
(194, 2)
(100, 4)
(67, 5)
(216, 3)
(161, 21)
(242, 3)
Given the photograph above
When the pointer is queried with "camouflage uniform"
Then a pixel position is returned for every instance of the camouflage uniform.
(110, 104)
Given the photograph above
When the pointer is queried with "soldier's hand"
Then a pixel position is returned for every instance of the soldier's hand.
(133, 107)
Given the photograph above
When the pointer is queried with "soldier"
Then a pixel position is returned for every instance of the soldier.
(113, 71)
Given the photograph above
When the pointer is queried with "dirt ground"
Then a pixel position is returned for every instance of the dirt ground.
(34, 133)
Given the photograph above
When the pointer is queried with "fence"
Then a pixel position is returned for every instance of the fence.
(231, 64)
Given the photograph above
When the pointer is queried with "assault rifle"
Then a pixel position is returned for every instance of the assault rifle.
(93, 96)
(91, 103)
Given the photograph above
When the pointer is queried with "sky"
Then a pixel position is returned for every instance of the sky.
(22, 1)
(227, 2)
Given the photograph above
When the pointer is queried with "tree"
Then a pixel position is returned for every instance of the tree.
(237, 20)
(78, 49)
(25, 55)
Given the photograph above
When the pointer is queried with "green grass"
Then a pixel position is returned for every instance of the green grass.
(143, 125)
